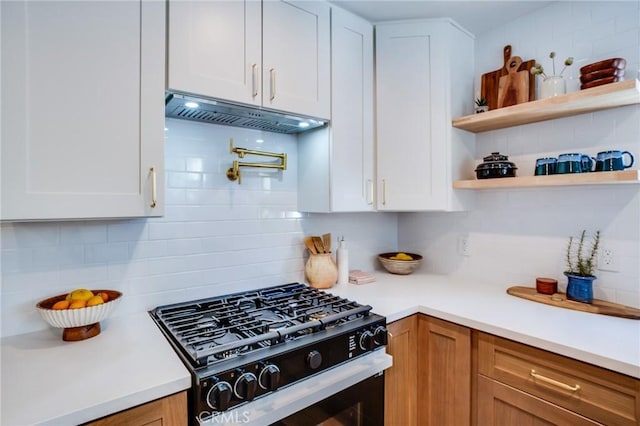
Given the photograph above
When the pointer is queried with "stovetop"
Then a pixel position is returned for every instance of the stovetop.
(216, 329)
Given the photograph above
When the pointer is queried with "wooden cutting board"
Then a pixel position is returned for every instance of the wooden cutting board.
(491, 80)
(513, 88)
(601, 307)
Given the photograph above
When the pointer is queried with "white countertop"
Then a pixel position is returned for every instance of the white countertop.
(605, 341)
(48, 381)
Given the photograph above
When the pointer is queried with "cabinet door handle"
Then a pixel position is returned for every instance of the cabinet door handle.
(254, 80)
(369, 191)
(154, 187)
(384, 192)
(550, 381)
(272, 75)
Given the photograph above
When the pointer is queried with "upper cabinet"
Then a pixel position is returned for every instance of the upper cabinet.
(215, 49)
(271, 54)
(336, 172)
(424, 78)
(82, 116)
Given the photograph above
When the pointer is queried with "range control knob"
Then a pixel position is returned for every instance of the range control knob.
(219, 396)
(314, 359)
(366, 341)
(245, 386)
(269, 378)
(380, 336)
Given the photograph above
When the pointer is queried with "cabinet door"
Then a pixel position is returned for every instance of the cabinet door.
(336, 163)
(499, 404)
(296, 57)
(171, 410)
(401, 397)
(405, 85)
(419, 83)
(444, 380)
(351, 113)
(82, 116)
(215, 49)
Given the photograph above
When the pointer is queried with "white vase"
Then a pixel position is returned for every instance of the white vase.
(552, 86)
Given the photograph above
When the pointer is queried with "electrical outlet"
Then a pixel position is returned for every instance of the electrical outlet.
(463, 246)
(607, 260)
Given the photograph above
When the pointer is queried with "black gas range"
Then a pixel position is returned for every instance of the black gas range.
(244, 346)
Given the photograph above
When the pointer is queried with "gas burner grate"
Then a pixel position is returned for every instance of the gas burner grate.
(218, 328)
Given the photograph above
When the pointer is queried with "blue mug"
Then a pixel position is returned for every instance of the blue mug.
(574, 163)
(613, 160)
(546, 166)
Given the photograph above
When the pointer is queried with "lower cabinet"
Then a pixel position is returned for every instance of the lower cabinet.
(444, 373)
(560, 390)
(447, 374)
(499, 404)
(168, 411)
(401, 380)
(430, 380)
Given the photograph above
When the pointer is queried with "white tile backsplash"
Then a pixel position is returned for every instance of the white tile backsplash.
(217, 236)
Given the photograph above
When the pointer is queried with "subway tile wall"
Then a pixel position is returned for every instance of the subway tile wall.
(217, 236)
(515, 236)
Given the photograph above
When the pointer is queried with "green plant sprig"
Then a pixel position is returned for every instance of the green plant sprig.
(579, 264)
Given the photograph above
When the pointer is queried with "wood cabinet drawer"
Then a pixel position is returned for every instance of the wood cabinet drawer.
(500, 405)
(602, 395)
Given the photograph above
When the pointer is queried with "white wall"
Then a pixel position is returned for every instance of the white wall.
(217, 237)
(517, 235)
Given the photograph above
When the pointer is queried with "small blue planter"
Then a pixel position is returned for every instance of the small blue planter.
(580, 288)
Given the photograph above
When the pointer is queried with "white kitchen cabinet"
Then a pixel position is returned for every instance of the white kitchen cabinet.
(336, 171)
(273, 54)
(424, 77)
(214, 49)
(82, 115)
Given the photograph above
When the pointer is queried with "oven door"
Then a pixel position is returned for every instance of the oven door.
(359, 405)
(349, 394)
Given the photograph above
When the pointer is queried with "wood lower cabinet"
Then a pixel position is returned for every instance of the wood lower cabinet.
(401, 380)
(447, 374)
(430, 381)
(444, 373)
(168, 411)
(499, 404)
(550, 383)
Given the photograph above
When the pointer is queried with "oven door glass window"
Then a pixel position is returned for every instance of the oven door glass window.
(359, 405)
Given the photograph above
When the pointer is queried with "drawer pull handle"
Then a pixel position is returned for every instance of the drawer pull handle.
(561, 385)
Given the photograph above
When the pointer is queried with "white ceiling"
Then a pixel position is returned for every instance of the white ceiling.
(476, 16)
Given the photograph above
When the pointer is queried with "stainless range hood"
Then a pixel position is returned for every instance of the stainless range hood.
(214, 111)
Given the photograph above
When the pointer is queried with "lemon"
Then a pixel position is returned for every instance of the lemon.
(95, 300)
(401, 256)
(80, 294)
(77, 304)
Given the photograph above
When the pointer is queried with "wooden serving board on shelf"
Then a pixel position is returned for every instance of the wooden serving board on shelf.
(490, 82)
(560, 300)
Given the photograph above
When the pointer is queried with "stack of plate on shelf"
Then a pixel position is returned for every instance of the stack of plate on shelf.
(602, 72)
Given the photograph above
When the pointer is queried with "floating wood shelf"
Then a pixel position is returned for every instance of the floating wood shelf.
(595, 99)
(572, 179)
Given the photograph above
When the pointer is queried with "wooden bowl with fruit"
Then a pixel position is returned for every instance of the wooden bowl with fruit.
(400, 263)
(79, 312)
